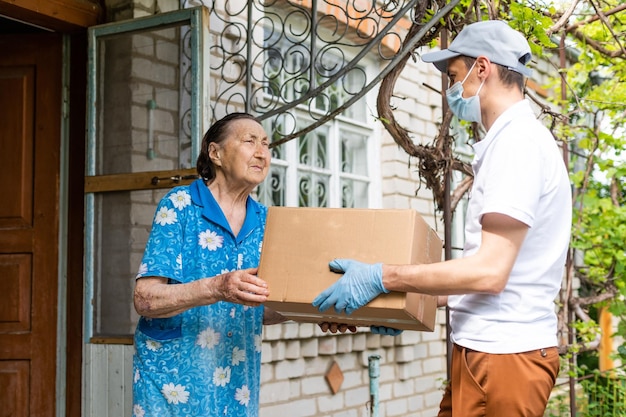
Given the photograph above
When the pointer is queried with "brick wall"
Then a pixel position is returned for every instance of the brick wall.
(296, 358)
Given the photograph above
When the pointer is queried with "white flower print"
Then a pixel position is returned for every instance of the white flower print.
(239, 355)
(179, 260)
(258, 342)
(180, 199)
(221, 376)
(143, 268)
(232, 313)
(165, 216)
(208, 338)
(137, 376)
(239, 260)
(175, 394)
(153, 345)
(243, 395)
(210, 240)
(138, 411)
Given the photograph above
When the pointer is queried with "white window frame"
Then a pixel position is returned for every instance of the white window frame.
(366, 127)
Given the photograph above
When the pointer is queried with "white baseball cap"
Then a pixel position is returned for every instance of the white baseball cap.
(494, 39)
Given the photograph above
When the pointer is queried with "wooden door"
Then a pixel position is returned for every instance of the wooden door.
(30, 130)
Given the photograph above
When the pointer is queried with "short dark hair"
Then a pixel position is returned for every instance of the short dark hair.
(507, 76)
(217, 133)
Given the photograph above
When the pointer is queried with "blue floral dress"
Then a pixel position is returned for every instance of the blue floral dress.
(205, 361)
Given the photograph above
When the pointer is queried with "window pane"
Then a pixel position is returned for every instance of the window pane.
(353, 153)
(143, 100)
(272, 191)
(313, 190)
(313, 149)
(122, 224)
(354, 193)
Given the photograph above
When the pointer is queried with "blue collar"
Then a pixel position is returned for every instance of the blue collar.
(202, 196)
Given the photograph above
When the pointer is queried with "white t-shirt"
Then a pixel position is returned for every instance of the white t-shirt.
(518, 171)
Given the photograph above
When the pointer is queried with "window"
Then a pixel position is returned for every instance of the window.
(324, 168)
(330, 166)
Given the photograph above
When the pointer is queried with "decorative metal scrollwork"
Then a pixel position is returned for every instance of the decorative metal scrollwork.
(271, 56)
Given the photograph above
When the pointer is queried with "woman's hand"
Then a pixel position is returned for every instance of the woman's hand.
(242, 287)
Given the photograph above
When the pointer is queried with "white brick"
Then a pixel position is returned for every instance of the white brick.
(354, 378)
(327, 346)
(266, 352)
(290, 369)
(390, 355)
(437, 348)
(167, 99)
(274, 392)
(351, 413)
(344, 344)
(330, 403)
(396, 407)
(166, 146)
(278, 351)
(300, 408)
(372, 341)
(168, 52)
(409, 370)
(290, 330)
(387, 372)
(292, 349)
(318, 365)
(433, 365)
(357, 396)
(150, 71)
(308, 348)
(385, 391)
(313, 385)
(349, 361)
(388, 341)
(267, 373)
(403, 388)
(272, 332)
(295, 388)
(306, 330)
(409, 337)
(433, 399)
(405, 354)
(426, 384)
(415, 403)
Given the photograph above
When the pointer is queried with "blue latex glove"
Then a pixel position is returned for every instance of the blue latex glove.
(359, 285)
(385, 331)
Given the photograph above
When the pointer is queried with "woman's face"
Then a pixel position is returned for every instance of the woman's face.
(243, 159)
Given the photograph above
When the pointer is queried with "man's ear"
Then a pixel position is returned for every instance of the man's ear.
(214, 154)
(483, 67)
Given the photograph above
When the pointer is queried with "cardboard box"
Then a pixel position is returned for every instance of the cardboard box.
(300, 242)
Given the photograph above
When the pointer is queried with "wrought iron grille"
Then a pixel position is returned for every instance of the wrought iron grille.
(272, 56)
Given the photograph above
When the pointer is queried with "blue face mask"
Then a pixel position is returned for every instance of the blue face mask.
(464, 108)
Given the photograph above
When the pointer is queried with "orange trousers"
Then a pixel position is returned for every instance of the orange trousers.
(503, 385)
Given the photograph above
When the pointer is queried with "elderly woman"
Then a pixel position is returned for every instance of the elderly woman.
(198, 341)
